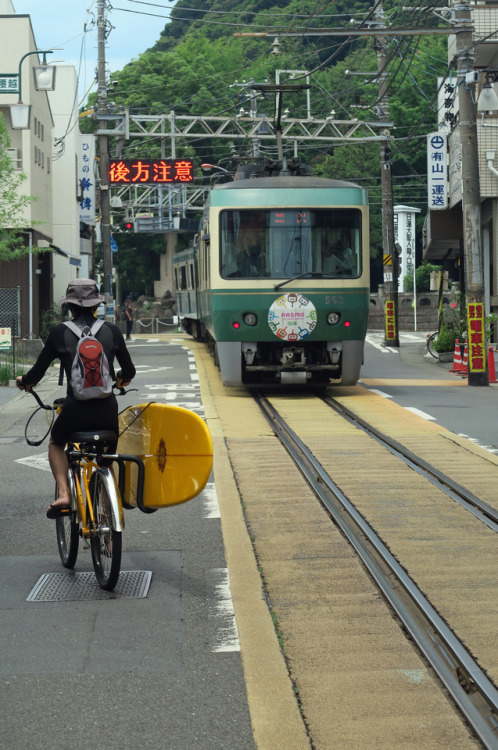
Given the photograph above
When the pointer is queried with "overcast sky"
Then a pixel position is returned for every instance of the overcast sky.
(60, 23)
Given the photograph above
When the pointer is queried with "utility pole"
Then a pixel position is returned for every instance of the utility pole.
(388, 245)
(102, 110)
(471, 194)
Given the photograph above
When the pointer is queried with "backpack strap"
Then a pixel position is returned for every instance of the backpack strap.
(73, 327)
(77, 332)
(96, 326)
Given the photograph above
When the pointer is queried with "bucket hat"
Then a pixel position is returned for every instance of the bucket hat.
(82, 292)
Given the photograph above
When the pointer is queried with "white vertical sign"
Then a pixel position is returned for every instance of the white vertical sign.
(437, 171)
(86, 178)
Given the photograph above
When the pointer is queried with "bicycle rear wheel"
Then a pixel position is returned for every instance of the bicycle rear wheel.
(67, 529)
(105, 542)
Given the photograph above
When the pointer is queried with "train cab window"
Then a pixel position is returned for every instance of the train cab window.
(183, 277)
(287, 242)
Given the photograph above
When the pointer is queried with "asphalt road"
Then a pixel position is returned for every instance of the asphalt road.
(117, 671)
(469, 411)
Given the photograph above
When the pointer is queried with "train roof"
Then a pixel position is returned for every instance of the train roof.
(286, 181)
(287, 190)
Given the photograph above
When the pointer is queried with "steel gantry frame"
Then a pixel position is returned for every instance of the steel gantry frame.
(127, 126)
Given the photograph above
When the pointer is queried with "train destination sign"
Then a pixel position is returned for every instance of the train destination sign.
(150, 171)
(289, 218)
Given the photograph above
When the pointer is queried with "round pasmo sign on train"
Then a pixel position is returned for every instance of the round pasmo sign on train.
(292, 317)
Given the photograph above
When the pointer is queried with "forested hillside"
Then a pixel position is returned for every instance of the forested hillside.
(197, 67)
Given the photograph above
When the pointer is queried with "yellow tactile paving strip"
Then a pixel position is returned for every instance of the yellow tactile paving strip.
(360, 682)
(418, 382)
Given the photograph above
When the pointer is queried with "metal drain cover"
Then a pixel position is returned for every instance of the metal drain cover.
(67, 587)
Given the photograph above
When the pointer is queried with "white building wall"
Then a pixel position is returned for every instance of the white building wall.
(66, 236)
(34, 144)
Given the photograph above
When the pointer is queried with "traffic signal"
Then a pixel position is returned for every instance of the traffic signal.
(128, 226)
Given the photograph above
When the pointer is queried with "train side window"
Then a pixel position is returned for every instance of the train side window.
(176, 278)
(183, 277)
(191, 284)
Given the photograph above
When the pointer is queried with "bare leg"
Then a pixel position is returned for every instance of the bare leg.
(58, 464)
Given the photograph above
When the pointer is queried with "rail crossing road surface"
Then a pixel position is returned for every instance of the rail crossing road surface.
(176, 669)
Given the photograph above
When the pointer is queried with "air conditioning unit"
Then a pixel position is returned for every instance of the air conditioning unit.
(13, 153)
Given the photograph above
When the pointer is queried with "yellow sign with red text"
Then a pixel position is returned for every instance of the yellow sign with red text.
(390, 321)
(476, 329)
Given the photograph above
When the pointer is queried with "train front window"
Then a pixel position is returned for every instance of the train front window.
(281, 243)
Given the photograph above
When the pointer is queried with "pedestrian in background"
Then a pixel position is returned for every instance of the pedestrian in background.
(128, 317)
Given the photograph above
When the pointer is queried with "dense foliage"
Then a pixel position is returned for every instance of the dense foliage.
(198, 67)
(12, 202)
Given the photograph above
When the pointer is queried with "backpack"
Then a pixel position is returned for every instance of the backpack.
(90, 375)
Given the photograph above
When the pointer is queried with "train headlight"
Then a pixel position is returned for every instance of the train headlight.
(250, 319)
(333, 318)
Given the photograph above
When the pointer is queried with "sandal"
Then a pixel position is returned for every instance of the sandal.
(57, 511)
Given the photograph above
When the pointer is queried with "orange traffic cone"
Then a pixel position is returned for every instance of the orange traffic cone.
(465, 364)
(491, 365)
(457, 358)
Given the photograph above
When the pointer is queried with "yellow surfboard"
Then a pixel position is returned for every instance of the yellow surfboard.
(175, 447)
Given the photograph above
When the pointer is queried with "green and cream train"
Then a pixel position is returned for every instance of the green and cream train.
(277, 280)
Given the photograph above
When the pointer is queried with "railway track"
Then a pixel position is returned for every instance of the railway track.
(472, 691)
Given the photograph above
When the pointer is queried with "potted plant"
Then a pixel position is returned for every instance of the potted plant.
(445, 344)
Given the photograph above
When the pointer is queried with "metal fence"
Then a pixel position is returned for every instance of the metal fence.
(10, 309)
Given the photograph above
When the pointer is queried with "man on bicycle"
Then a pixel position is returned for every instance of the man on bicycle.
(82, 298)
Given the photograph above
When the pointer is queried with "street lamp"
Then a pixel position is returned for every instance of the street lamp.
(488, 99)
(44, 76)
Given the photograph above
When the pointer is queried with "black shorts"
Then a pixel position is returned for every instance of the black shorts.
(80, 416)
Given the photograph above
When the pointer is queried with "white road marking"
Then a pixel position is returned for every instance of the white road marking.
(381, 348)
(419, 413)
(381, 393)
(210, 500)
(227, 638)
(36, 462)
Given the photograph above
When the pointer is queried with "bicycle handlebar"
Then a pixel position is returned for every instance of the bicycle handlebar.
(122, 392)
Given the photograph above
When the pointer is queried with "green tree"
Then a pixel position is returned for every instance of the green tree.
(422, 277)
(12, 202)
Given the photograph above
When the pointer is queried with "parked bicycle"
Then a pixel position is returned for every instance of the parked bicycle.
(96, 506)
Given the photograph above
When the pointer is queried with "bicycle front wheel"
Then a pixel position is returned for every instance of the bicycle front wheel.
(430, 344)
(105, 542)
(67, 529)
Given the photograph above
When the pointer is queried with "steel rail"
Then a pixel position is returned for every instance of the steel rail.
(473, 692)
(459, 494)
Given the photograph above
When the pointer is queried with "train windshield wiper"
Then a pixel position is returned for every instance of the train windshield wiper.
(310, 274)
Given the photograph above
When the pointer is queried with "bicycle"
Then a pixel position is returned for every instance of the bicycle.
(96, 508)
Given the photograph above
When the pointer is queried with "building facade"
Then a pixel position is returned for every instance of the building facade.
(45, 152)
(444, 233)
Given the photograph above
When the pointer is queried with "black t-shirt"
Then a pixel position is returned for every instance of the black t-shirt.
(61, 344)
